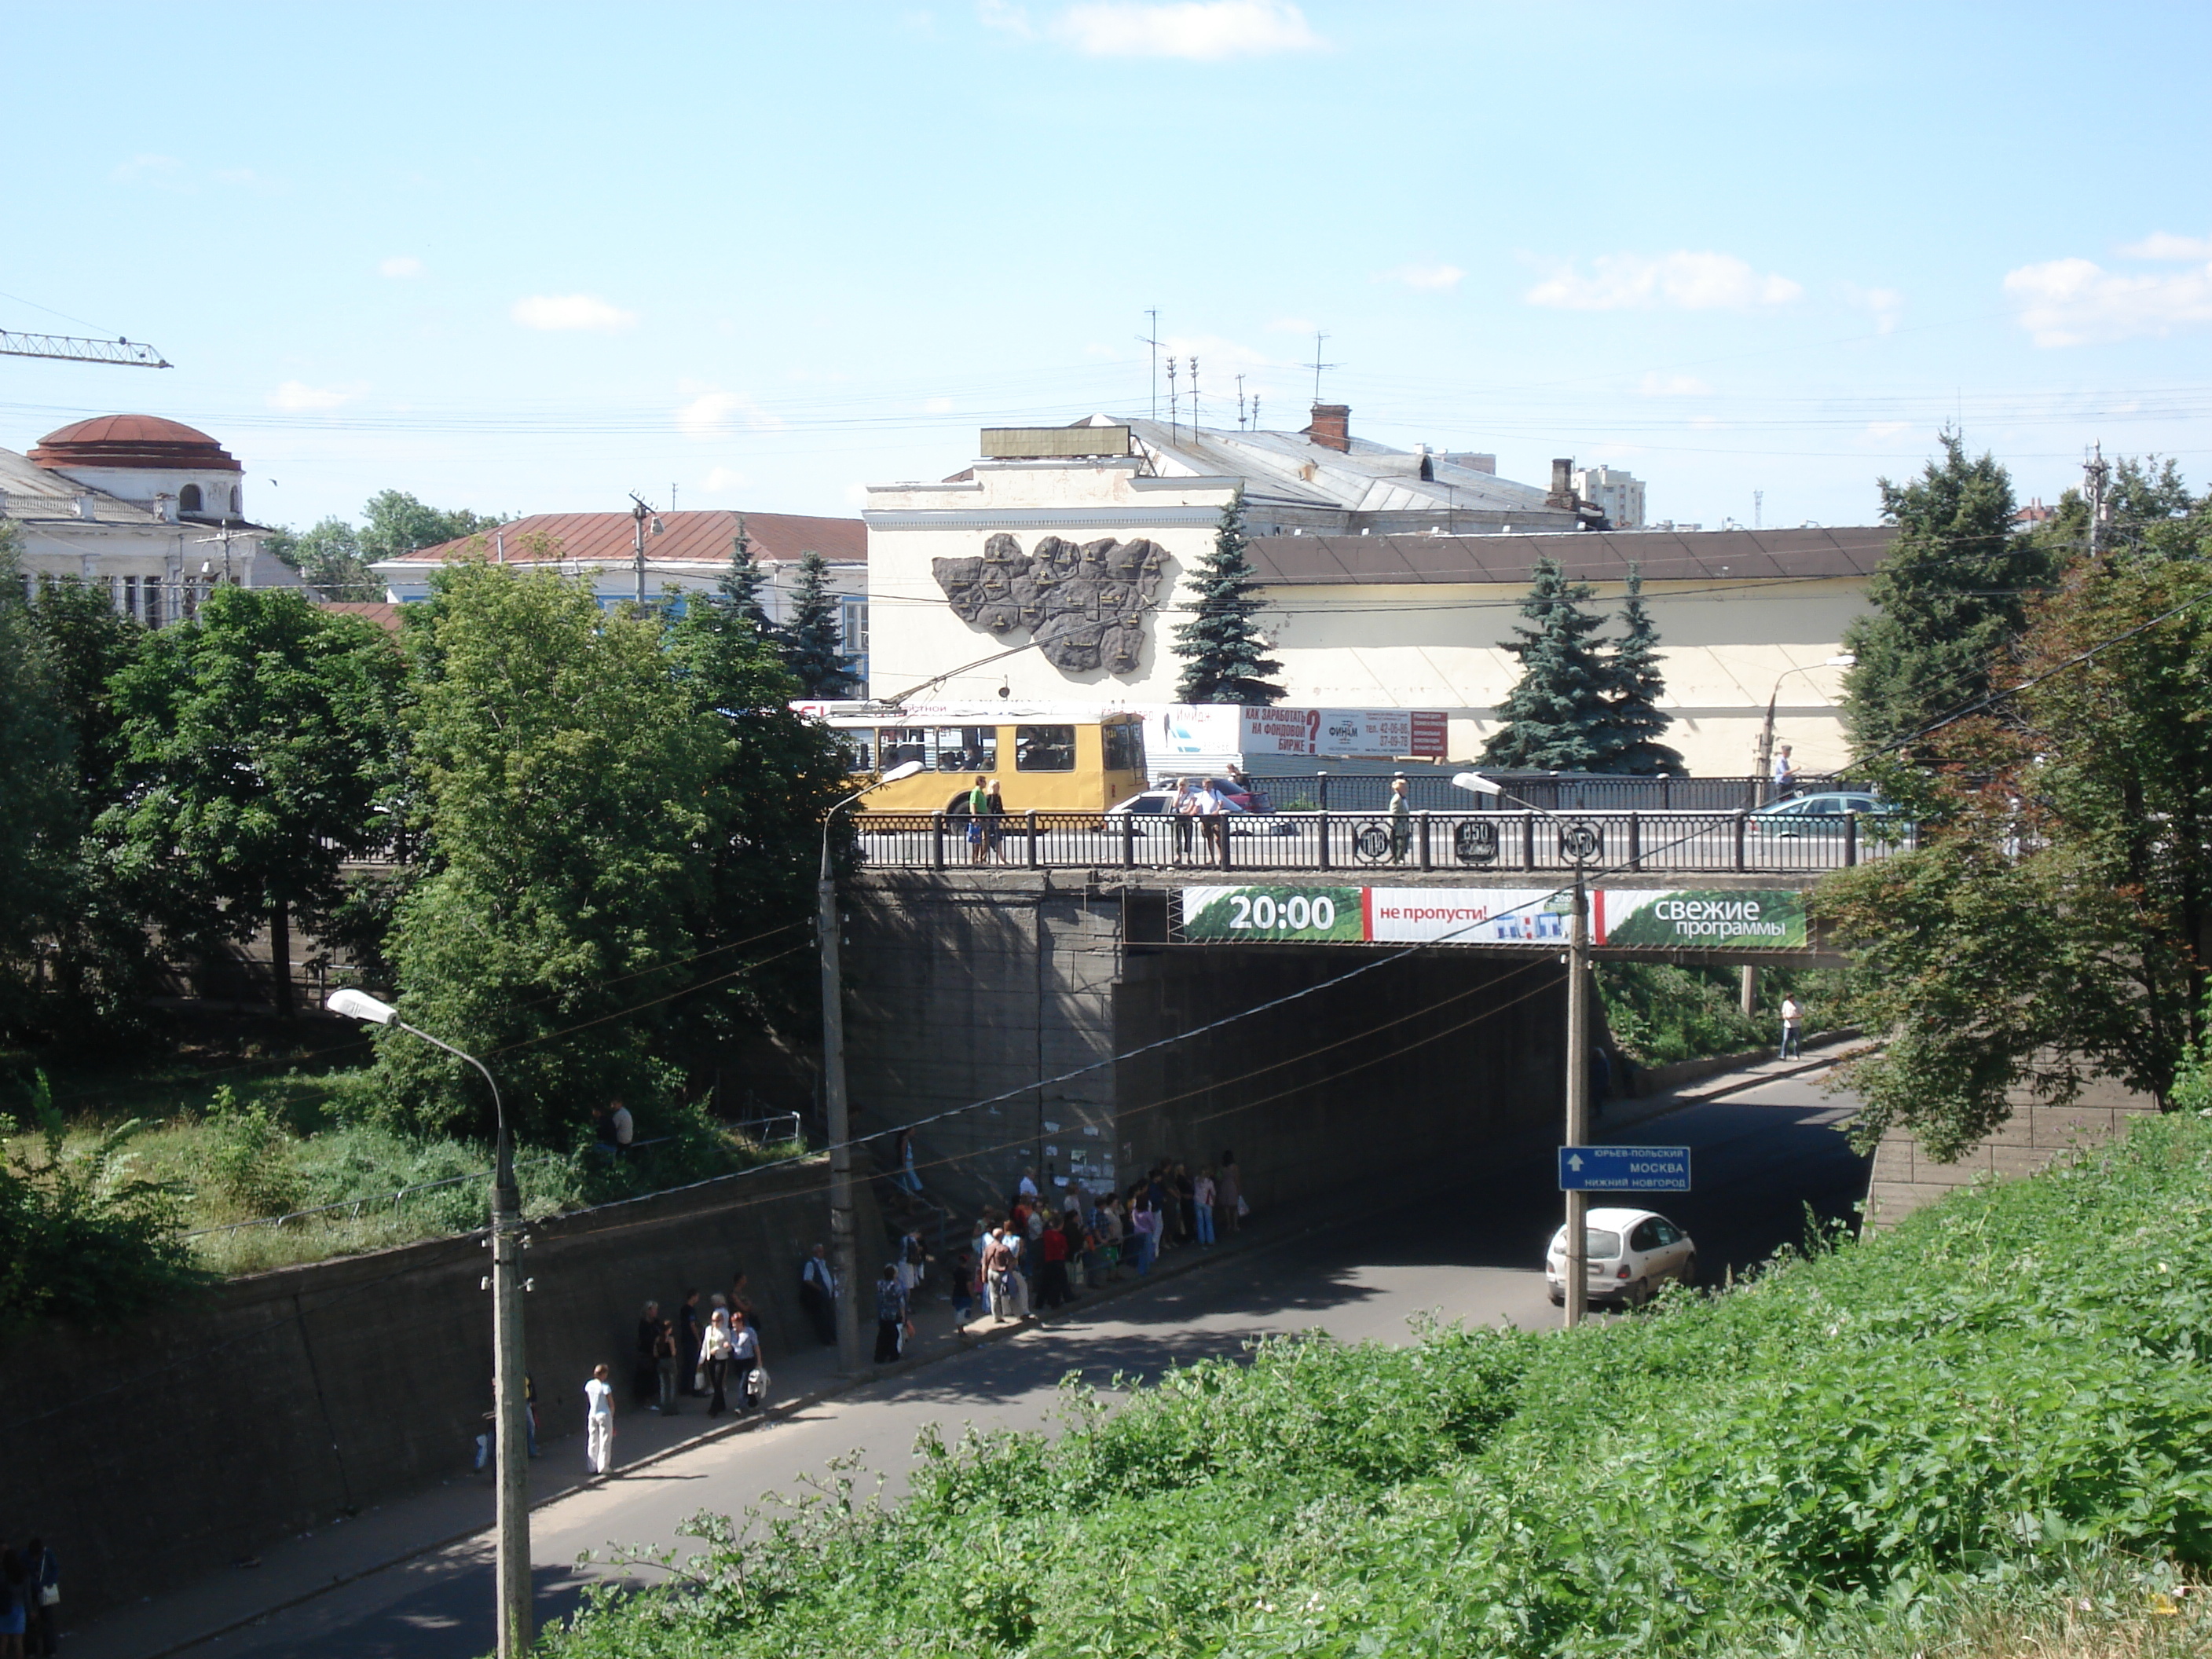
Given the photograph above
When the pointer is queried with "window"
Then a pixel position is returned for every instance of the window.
(1044, 748)
(188, 499)
(1664, 1231)
(1600, 1245)
(1645, 1237)
(940, 747)
(234, 498)
(856, 628)
(1125, 746)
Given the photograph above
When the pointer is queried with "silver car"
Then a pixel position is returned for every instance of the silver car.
(1630, 1255)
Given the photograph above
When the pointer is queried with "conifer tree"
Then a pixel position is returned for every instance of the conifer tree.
(815, 646)
(1637, 720)
(1949, 599)
(1221, 645)
(1557, 717)
(738, 594)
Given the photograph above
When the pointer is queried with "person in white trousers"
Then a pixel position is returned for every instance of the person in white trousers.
(599, 1423)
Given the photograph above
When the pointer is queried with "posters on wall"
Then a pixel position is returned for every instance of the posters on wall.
(1623, 917)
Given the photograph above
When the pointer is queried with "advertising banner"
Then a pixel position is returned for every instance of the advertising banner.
(1621, 918)
(1196, 730)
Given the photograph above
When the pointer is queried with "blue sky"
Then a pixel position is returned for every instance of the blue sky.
(533, 258)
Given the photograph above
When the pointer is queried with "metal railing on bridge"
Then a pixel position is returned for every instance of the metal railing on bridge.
(1662, 843)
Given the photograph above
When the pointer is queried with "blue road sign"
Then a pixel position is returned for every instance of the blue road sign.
(1624, 1169)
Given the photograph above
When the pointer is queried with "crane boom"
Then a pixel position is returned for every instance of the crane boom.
(130, 353)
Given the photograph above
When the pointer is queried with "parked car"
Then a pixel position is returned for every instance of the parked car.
(1629, 1253)
(1819, 815)
(1156, 799)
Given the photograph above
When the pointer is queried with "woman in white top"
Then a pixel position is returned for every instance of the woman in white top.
(599, 1421)
(715, 1348)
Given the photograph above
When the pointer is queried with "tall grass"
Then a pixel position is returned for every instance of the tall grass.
(1936, 1437)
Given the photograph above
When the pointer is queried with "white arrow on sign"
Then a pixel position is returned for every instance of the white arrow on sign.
(1575, 1163)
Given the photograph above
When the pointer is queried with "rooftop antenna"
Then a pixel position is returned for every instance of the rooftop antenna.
(671, 495)
(1759, 509)
(1255, 411)
(1148, 339)
(1317, 364)
(1193, 397)
(1240, 403)
(1171, 398)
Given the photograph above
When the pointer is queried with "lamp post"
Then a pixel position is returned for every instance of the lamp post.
(1763, 781)
(1577, 1288)
(509, 1405)
(844, 1259)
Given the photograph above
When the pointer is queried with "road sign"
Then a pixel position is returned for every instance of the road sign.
(1625, 1168)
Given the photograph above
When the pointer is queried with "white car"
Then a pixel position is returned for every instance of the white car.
(1631, 1253)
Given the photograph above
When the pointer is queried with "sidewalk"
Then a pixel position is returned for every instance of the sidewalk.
(462, 1507)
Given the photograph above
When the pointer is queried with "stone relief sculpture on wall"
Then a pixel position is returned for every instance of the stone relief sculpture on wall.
(1085, 604)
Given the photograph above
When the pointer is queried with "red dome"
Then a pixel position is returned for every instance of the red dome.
(145, 441)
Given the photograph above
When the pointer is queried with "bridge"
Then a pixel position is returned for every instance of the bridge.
(1091, 1006)
(1636, 842)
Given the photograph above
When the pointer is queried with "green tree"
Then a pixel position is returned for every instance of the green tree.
(563, 775)
(1221, 645)
(2056, 921)
(1948, 600)
(393, 522)
(40, 809)
(254, 739)
(738, 589)
(330, 561)
(773, 781)
(1559, 714)
(1635, 722)
(816, 652)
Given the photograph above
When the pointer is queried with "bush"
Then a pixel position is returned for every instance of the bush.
(84, 1238)
(1868, 1443)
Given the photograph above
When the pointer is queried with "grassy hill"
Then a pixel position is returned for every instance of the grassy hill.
(1984, 1433)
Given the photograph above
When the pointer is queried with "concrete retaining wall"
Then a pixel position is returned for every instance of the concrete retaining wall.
(286, 1399)
(1906, 1179)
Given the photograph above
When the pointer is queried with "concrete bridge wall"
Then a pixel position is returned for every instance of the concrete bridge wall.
(963, 986)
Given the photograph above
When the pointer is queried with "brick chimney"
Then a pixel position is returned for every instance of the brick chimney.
(1562, 496)
(1332, 426)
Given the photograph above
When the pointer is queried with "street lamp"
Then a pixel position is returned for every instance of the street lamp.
(510, 1407)
(1577, 1288)
(844, 1259)
(1762, 780)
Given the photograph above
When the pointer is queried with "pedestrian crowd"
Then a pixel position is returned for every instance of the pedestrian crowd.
(1042, 1252)
(30, 1600)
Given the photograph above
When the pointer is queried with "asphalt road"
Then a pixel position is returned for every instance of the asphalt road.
(1471, 1253)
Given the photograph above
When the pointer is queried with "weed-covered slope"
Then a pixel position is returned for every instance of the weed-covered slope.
(2010, 1380)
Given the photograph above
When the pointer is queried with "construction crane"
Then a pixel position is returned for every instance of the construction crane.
(130, 354)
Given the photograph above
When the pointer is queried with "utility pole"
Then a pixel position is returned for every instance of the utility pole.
(1193, 397)
(1172, 399)
(638, 515)
(2096, 472)
(1240, 403)
(844, 1255)
(510, 1395)
(1147, 338)
(1578, 1046)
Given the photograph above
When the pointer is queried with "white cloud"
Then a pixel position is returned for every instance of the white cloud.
(400, 264)
(1207, 30)
(144, 169)
(1687, 281)
(1673, 385)
(1880, 430)
(721, 478)
(559, 312)
(2066, 302)
(1431, 278)
(938, 406)
(712, 412)
(1884, 303)
(2160, 245)
(298, 395)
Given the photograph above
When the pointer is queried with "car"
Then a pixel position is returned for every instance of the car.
(1630, 1255)
(1821, 814)
(1156, 799)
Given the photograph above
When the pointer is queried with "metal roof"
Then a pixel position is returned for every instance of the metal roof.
(686, 537)
(1290, 469)
(1662, 555)
(32, 492)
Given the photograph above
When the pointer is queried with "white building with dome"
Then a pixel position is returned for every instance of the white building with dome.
(152, 510)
